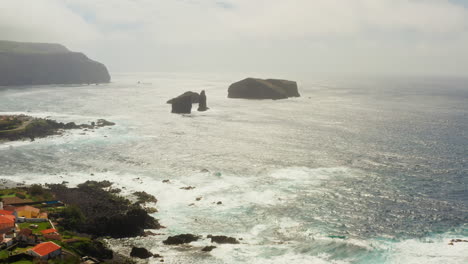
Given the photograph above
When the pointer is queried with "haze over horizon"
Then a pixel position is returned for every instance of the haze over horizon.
(428, 37)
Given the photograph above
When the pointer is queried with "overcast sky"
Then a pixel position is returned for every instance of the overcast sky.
(342, 36)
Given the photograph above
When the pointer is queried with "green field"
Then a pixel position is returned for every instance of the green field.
(41, 226)
(3, 254)
(20, 250)
(23, 262)
(24, 193)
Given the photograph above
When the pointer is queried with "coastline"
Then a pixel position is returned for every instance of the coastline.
(20, 127)
(72, 234)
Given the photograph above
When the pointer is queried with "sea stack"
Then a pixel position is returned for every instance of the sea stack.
(254, 88)
(195, 97)
(182, 105)
(40, 64)
(202, 102)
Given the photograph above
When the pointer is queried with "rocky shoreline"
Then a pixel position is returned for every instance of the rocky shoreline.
(87, 214)
(19, 127)
(97, 211)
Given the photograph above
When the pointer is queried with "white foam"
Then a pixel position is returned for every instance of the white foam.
(269, 242)
(282, 254)
(429, 251)
(14, 144)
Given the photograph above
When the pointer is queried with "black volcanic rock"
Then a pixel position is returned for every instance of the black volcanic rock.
(40, 64)
(223, 239)
(105, 214)
(23, 126)
(195, 97)
(202, 104)
(182, 105)
(208, 248)
(252, 88)
(103, 123)
(181, 239)
(142, 253)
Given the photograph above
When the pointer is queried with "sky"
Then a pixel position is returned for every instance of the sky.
(421, 37)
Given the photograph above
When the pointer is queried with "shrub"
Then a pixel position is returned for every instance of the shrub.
(73, 217)
(36, 190)
(144, 197)
(20, 195)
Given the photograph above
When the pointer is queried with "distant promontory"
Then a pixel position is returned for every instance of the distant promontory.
(24, 63)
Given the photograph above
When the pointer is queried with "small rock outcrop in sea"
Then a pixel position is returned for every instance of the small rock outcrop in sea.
(40, 63)
(223, 239)
(180, 239)
(202, 104)
(182, 105)
(453, 241)
(103, 123)
(195, 97)
(253, 88)
(142, 253)
(208, 248)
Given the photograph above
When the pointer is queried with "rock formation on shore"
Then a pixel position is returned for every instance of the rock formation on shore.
(181, 239)
(223, 239)
(141, 253)
(253, 88)
(16, 127)
(202, 103)
(195, 97)
(104, 213)
(40, 64)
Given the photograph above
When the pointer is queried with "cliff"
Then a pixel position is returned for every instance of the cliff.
(38, 64)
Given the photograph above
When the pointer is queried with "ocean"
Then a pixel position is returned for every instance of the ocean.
(356, 170)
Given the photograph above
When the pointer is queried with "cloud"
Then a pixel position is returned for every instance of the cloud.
(42, 21)
(243, 34)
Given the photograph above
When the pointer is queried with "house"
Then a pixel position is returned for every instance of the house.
(7, 222)
(43, 215)
(51, 233)
(27, 211)
(15, 200)
(45, 251)
(5, 212)
(26, 236)
(7, 226)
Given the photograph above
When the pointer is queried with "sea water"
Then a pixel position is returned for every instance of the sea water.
(356, 170)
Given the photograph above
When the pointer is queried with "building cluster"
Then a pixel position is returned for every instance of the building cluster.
(22, 226)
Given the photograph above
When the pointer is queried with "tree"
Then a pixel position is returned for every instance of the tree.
(73, 217)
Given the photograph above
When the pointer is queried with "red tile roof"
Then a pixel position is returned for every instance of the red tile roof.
(46, 248)
(7, 219)
(48, 231)
(5, 212)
